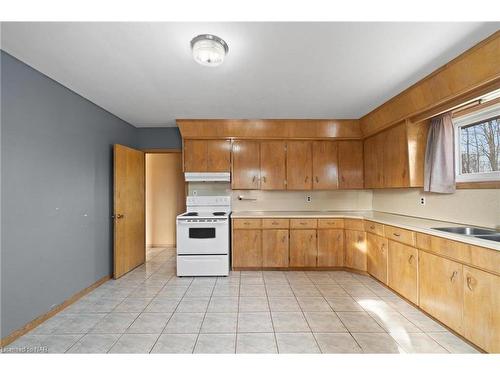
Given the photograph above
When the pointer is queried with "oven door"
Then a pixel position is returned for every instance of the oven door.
(202, 238)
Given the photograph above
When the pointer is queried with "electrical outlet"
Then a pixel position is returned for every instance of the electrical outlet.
(422, 201)
(308, 199)
(195, 192)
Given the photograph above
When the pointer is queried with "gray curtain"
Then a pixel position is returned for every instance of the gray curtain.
(439, 168)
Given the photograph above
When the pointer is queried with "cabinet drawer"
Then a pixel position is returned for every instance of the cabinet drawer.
(331, 223)
(247, 223)
(400, 235)
(451, 249)
(275, 223)
(304, 223)
(354, 224)
(374, 228)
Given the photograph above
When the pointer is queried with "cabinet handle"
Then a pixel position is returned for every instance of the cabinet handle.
(311, 237)
(372, 227)
(274, 223)
(453, 276)
(410, 259)
(307, 178)
(283, 239)
(317, 179)
(264, 179)
(396, 234)
(302, 223)
(253, 179)
(469, 283)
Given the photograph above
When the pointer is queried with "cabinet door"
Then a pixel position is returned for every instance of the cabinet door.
(402, 270)
(275, 247)
(482, 309)
(351, 164)
(247, 248)
(195, 155)
(396, 157)
(325, 165)
(355, 250)
(373, 156)
(377, 257)
(246, 165)
(299, 165)
(219, 155)
(441, 289)
(303, 248)
(272, 165)
(330, 247)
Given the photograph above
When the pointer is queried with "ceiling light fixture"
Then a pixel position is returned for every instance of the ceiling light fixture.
(209, 50)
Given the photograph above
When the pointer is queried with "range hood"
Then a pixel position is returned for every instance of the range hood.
(207, 176)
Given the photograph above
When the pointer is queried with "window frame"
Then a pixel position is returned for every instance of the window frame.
(464, 121)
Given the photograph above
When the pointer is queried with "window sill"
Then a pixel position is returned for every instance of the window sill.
(478, 185)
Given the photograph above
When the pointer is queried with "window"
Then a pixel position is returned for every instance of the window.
(477, 145)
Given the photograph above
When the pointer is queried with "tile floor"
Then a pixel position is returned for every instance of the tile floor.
(150, 310)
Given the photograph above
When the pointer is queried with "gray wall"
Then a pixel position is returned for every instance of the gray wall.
(159, 138)
(56, 160)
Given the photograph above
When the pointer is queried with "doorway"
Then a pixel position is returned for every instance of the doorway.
(165, 197)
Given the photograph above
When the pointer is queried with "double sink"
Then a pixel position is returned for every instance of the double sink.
(485, 234)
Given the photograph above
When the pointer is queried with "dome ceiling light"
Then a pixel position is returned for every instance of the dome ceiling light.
(209, 50)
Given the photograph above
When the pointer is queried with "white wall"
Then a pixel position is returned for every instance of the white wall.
(479, 207)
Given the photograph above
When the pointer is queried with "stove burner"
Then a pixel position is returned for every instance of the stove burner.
(191, 214)
(218, 213)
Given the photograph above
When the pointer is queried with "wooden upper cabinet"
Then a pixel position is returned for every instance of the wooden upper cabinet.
(202, 155)
(355, 249)
(396, 172)
(195, 155)
(482, 309)
(402, 270)
(275, 247)
(272, 165)
(377, 256)
(303, 248)
(219, 155)
(374, 162)
(299, 165)
(325, 165)
(441, 289)
(330, 247)
(350, 164)
(246, 165)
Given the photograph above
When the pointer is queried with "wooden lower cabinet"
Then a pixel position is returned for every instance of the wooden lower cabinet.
(481, 319)
(275, 248)
(330, 247)
(355, 249)
(377, 256)
(247, 248)
(402, 270)
(303, 248)
(441, 289)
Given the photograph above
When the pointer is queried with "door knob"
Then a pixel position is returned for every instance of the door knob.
(119, 216)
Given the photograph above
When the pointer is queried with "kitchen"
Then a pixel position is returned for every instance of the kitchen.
(352, 207)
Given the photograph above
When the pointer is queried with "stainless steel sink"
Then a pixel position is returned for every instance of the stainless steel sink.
(468, 231)
(491, 237)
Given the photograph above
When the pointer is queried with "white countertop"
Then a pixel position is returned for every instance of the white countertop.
(406, 222)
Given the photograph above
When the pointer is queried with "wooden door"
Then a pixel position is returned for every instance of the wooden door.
(373, 156)
(275, 248)
(402, 270)
(247, 248)
(303, 248)
(129, 250)
(355, 250)
(218, 155)
(246, 165)
(351, 165)
(377, 256)
(441, 289)
(330, 247)
(273, 165)
(195, 155)
(325, 165)
(396, 157)
(482, 309)
(299, 165)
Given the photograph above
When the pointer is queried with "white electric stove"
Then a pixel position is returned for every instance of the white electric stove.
(203, 237)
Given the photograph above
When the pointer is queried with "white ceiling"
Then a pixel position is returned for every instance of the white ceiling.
(144, 72)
